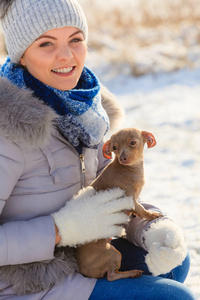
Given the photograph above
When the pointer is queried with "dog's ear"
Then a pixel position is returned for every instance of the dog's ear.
(107, 151)
(149, 138)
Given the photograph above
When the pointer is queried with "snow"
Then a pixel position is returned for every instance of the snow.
(167, 105)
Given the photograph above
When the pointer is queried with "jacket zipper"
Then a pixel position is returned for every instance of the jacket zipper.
(82, 158)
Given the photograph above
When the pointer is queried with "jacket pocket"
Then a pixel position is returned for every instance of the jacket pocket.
(63, 164)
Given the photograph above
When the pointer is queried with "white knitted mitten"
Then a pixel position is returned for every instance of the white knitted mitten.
(92, 215)
(165, 244)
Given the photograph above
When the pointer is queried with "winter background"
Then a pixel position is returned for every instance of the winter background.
(147, 52)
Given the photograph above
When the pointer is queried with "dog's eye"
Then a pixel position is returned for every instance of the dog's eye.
(133, 143)
(114, 148)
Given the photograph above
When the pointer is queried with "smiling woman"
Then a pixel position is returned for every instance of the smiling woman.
(57, 57)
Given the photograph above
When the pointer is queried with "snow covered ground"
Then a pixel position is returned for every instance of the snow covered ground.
(167, 105)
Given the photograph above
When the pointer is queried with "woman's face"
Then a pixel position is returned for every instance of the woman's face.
(57, 57)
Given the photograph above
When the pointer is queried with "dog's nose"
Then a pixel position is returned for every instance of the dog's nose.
(123, 158)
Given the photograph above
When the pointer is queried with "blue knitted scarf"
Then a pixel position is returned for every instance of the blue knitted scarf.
(82, 119)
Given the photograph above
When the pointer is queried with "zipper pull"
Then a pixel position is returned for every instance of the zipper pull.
(81, 156)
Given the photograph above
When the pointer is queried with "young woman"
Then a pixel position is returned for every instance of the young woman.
(52, 126)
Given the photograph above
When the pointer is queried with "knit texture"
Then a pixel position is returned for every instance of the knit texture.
(26, 20)
(81, 117)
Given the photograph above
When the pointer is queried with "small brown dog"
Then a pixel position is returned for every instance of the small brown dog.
(125, 171)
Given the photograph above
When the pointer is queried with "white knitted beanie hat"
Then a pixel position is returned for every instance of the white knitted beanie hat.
(23, 21)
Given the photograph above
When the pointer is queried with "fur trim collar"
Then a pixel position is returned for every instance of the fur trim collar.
(24, 119)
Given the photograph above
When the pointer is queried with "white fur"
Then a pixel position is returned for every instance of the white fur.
(165, 244)
(91, 216)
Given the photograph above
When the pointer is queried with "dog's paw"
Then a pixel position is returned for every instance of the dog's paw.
(155, 215)
(136, 273)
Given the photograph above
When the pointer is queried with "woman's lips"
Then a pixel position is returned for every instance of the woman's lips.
(65, 71)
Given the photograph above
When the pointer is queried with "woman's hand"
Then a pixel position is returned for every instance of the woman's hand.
(165, 245)
(91, 216)
(58, 237)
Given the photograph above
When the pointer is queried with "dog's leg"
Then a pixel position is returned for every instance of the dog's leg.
(141, 212)
(113, 272)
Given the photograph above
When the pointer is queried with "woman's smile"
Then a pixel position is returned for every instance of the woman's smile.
(64, 72)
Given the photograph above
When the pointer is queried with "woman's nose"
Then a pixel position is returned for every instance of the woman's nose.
(64, 53)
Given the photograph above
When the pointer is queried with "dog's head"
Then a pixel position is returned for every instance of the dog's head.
(128, 144)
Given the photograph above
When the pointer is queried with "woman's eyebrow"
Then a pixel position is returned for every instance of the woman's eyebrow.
(45, 36)
(78, 31)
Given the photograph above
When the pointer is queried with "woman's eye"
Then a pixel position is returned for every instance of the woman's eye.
(76, 40)
(45, 44)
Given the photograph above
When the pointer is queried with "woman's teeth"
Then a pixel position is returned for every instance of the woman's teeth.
(63, 70)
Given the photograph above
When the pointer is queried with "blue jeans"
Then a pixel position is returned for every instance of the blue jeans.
(147, 287)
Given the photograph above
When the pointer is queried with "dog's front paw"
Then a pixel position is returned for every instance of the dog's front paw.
(155, 215)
